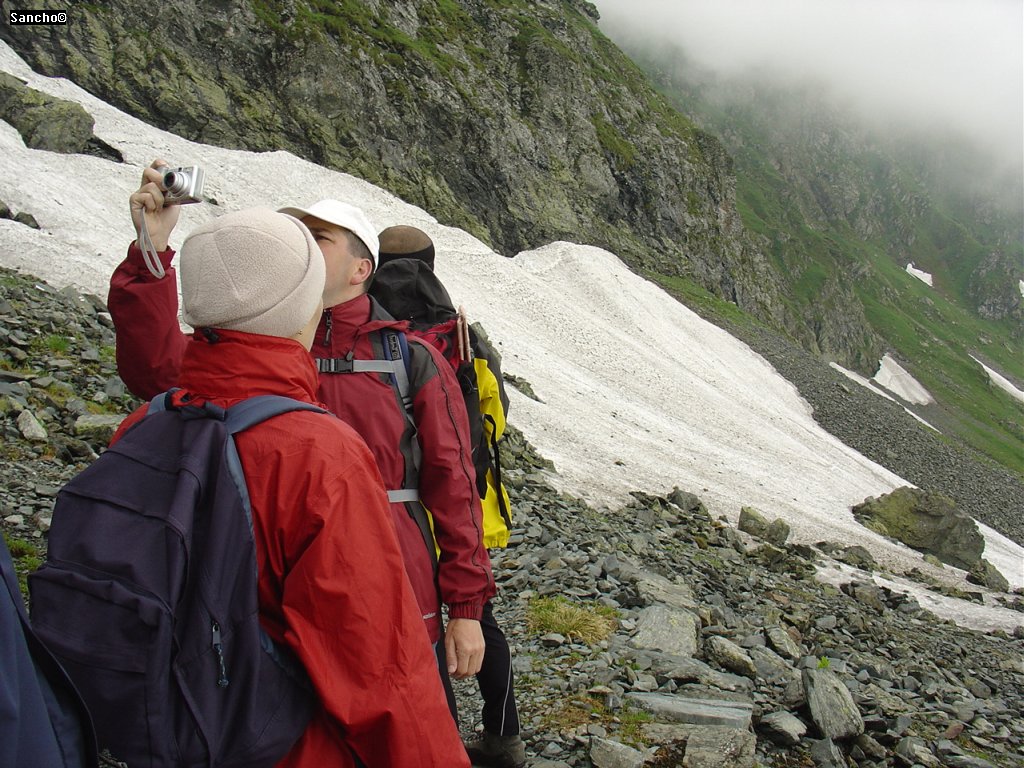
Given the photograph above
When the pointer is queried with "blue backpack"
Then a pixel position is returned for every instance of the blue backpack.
(148, 596)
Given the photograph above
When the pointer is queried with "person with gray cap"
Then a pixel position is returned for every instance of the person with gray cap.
(425, 461)
(331, 581)
(407, 287)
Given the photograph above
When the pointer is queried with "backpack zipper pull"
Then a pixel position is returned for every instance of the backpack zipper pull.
(218, 648)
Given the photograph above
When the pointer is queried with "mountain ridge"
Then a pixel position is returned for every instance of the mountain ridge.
(524, 124)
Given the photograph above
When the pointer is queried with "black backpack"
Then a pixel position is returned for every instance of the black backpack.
(149, 596)
(409, 290)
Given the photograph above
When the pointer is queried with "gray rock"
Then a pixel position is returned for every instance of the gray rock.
(97, 427)
(716, 747)
(688, 502)
(870, 747)
(752, 521)
(914, 751)
(868, 595)
(668, 630)
(43, 121)
(826, 754)
(858, 557)
(729, 655)
(827, 622)
(777, 533)
(31, 428)
(655, 589)
(783, 644)
(783, 728)
(114, 387)
(771, 667)
(611, 754)
(831, 704)
(26, 218)
(987, 575)
(967, 761)
(734, 714)
(696, 671)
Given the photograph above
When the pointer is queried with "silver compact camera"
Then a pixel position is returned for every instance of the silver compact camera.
(182, 185)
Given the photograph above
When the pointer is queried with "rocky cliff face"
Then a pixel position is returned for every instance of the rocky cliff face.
(517, 121)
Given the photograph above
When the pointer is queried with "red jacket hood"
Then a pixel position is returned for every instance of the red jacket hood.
(228, 366)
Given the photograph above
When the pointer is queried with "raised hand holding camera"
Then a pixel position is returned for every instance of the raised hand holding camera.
(154, 207)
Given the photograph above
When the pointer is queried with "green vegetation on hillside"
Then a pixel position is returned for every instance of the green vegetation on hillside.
(836, 206)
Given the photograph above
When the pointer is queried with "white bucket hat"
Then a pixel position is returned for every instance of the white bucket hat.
(342, 215)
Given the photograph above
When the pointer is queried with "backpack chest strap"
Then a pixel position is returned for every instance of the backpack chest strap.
(403, 495)
(394, 361)
(344, 365)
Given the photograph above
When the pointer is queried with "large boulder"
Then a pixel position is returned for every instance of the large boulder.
(43, 121)
(926, 521)
(988, 575)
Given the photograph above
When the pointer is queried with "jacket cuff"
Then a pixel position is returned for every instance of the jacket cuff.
(471, 610)
(138, 263)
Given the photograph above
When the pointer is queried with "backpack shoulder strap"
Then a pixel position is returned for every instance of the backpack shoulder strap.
(396, 348)
(249, 413)
(161, 401)
(397, 363)
(395, 345)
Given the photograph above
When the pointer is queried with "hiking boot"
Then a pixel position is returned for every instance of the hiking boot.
(489, 750)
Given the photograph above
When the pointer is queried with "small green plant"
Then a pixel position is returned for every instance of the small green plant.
(20, 548)
(27, 558)
(631, 726)
(823, 662)
(58, 344)
(568, 715)
(587, 623)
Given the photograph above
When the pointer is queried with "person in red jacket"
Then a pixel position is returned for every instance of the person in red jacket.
(331, 582)
(150, 347)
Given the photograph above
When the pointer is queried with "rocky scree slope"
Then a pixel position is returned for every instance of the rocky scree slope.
(885, 433)
(724, 650)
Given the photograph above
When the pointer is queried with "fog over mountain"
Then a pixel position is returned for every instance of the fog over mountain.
(947, 68)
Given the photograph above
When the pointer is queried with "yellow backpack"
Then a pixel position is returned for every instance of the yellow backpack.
(409, 290)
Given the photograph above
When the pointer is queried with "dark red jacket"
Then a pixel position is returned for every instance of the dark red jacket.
(149, 350)
(331, 580)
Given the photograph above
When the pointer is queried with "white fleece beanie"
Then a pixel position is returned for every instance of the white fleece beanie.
(255, 270)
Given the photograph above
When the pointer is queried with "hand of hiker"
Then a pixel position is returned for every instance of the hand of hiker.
(148, 201)
(464, 645)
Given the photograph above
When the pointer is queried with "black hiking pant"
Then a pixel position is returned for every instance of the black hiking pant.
(446, 680)
(495, 679)
(499, 714)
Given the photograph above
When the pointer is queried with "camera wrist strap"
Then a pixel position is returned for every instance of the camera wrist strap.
(149, 254)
